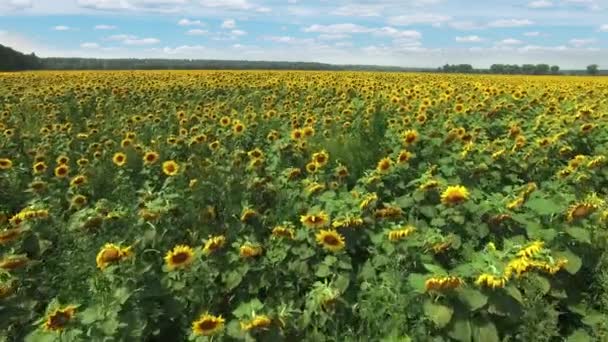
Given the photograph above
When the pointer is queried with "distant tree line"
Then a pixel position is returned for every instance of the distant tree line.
(11, 60)
(508, 69)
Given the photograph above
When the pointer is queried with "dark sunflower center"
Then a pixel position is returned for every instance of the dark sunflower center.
(59, 320)
(150, 157)
(331, 240)
(110, 255)
(180, 257)
(207, 324)
(170, 168)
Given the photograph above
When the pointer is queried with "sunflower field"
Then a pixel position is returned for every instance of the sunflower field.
(302, 206)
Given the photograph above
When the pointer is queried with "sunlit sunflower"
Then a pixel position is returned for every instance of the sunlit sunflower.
(258, 322)
(78, 201)
(9, 235)
(62, 171)
(331, 240)
(579, 211)
(384, 165)
(531, 250)
(249, 250)
(13, 262)
(442, 283)
(404, 157)
(119, 159)
(320, 158)
(238, 127)
(150, 157)
(454, 195)
(180, 257)
(208, 325)
(59, 318)
(283, 232)
(170, 168)
(213, 244)
(78, 181)
(400, 234)
(315, 220)
(111, 253)
(5, 164)
(39, 167)
(248, 214)
(491, 281)
(410, 136)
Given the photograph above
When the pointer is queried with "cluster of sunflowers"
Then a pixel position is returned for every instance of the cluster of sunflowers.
(279, 205)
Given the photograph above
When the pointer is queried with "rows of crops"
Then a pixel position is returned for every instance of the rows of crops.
(269, 206)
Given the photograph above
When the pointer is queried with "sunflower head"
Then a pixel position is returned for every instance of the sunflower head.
(111, 253)
(454, 195)
(119, 159)
(330, 240)
(316, 220)
(249, 250)
(170, 168)
(62, 171)
(208, 325)
(150, 157)
(5, 164)
(59, 318)
(258, 322)
(384, 165)
(180, 257)
(213, 244)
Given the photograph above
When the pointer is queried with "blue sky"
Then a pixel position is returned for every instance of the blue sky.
(418, 33)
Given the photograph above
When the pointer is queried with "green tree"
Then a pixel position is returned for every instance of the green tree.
(593, 69)
(555, 69)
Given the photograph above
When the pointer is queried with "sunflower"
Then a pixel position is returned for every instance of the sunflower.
(238, 127)
(78, 181)
(296, 134)
(13, 262)
(62, 159)
(181, 256)
(311, 167)
(320, 158)
(331, 240)
(9, 235)
(39, 167)
(60, 318)
(78, 201)
(261, 322)
(410, 137)
(207, 325)
(119, 159)
(150, 157)
(491, 281)
(225, 121)
(384, 165)
(283, 232)
(454, 195)
(170, 168)
(404, 157)
(442, 283)
(400, 234)
(579, 211)
(318, 220)
(5, 164)
(249, 250)
(248, 214)
(62, 171)
(111, 253)
(213, 244)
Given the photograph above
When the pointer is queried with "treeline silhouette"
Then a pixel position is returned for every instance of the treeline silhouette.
(11, 60)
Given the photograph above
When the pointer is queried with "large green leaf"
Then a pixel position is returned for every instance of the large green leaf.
(438, 313)
(543, 206)
(417, 281)
(580, 234)
(574, 261)
(579, 335)
(485, 332)
(461, 330)
(473, 298)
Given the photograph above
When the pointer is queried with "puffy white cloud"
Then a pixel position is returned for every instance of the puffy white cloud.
(509, 41)
(581, 42)
(128, 39)
(197, 32)
(540, 4)
(385, 31)
(188, 22)
(604, 28)
(105, 27)
(358, 10)
(61, 28)
(469, 39)
(419, 18)
(229, 24)
(511, 23)
(532, 34)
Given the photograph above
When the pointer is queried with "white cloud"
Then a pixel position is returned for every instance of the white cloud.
(419, 18)
(89, 46)
(197, 32)
(511, 23)
(464, 25)
(358, 10)
(337, 36)
(509, 41)
(128, 39)
(19, 4)
(241, 5)
(61, 28)
(581, 42)
(532, 34)
(540, 4)
(604, 28)
(238, 32)
(188, 22)
(469, 39)
(141, 41)
(105, 27)
(184, 49)
(229, 24)
(385, 31)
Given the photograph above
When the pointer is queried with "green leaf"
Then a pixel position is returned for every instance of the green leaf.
(367, 271)
(514, 292)
(474, 299)
(90, 315)
(574, 261)
(341, 283)
(579, 335)
(461, 330)
(485, 332)
(428, 210)
(246, 309)
(417, 281)
(323, 271)
(543, 206)
(404, 201)
(122, 294)
(437, 270)
(580, 234)
(233, 279)
(438, 222)
(438, 313)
